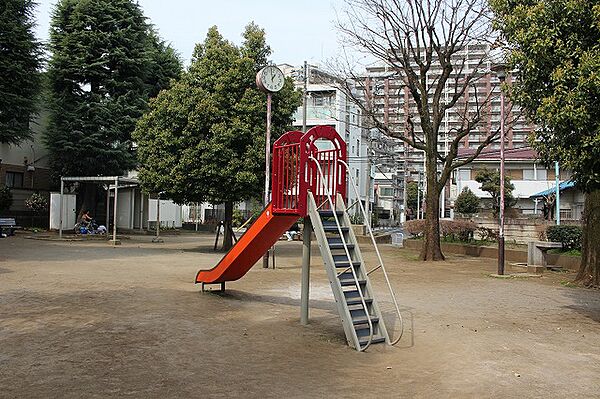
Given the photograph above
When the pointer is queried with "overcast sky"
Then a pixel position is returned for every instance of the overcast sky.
(296, 30)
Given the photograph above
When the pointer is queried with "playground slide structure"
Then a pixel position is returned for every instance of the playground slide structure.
(309, 179)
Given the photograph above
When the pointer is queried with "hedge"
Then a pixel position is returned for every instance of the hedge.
(569, 236)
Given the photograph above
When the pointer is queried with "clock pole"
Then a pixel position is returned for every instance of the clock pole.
(268, 150)
(269, 80)
(268, 171)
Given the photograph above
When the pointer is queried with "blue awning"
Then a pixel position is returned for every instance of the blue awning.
(562, 186)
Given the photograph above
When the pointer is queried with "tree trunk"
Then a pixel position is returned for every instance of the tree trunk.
(87, 192)
(227, 226)
(589, 271)
(431, 249)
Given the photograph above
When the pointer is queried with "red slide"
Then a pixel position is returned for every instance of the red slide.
(263, 233)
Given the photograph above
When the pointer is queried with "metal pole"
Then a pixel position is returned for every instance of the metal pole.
(557, 178)
(368, 180)
(304, 97)
(405, 199)
(419, 196)
(158, 217)
(305, 288)
(61, 208)
(196, 216)
(107, 210)
(267, 167)
(115, 211)
(501, 233)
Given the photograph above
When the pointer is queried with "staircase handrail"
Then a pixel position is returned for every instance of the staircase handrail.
(339, 227)
(381, 265)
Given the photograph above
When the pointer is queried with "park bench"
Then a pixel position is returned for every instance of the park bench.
(536, 255)
(9, 225)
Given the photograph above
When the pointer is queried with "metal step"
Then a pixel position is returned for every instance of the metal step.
(358, 322)
(329, 214)
(359, 313)
(357, 301)
(350, 282)
(332, 228)
(345, 264)
(342, 258)
(336, 245)
(375, 340)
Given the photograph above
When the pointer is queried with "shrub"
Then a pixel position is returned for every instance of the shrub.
(457, 229)
(415, 227)
(466, 202)
(569, 236)
(5, 198)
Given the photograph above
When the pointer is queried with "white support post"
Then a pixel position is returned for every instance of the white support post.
(61, 208)
(305, 288)
(114, 239)
(107, 210)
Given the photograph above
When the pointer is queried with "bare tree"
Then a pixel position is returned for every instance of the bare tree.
(421, 45)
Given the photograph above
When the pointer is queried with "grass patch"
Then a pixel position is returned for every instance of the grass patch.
(568, 252)
(568, 284)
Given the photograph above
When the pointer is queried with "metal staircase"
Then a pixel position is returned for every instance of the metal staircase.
(361, 318)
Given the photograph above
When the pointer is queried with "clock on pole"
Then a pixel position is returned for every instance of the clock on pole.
(269, 79)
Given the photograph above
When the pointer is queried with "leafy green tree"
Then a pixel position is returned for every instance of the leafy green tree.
(20, 59)
(203, 139)
(467, 202)
(490, 182)
(413, 194)
(106, 62)
(555, 45)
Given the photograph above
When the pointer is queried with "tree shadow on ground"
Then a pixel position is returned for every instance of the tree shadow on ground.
(587, 302)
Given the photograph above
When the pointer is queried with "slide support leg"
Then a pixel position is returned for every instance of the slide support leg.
(304, 293)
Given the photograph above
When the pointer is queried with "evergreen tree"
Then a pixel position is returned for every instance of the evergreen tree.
(490, 182)
(467, 202)
(204, 138)
(106, 62)
(20, 59)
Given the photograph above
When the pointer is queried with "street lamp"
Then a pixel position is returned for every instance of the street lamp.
(500, 70)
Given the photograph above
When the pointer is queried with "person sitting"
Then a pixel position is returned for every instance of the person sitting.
(293, 232)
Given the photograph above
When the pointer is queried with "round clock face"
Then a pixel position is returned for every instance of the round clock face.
(270, 78)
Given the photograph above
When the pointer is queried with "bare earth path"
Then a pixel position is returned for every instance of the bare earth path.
(83, 319)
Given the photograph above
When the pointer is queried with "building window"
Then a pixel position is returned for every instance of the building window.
(533, 174)
(14, 179)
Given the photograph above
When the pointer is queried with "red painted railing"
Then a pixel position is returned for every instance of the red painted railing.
(295, 172)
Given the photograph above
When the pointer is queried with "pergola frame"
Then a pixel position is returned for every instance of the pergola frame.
(116, 180)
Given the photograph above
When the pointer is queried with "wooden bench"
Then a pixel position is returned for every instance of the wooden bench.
(536, 255)
(9, 225)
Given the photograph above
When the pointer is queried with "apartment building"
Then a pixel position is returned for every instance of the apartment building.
(392, 103)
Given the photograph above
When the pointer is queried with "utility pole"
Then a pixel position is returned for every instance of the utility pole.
(557, 179)
(304, 97)
(405, 199)
(306, 229)
(501, 74)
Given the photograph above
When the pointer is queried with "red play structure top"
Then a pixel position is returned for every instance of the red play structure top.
(295, 171)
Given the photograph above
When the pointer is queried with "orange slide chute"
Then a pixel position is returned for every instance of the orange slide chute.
(251, 246)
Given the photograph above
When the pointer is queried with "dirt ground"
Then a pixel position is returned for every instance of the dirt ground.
(84, 319)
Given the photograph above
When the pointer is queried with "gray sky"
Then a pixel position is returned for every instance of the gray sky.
(296, 30)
